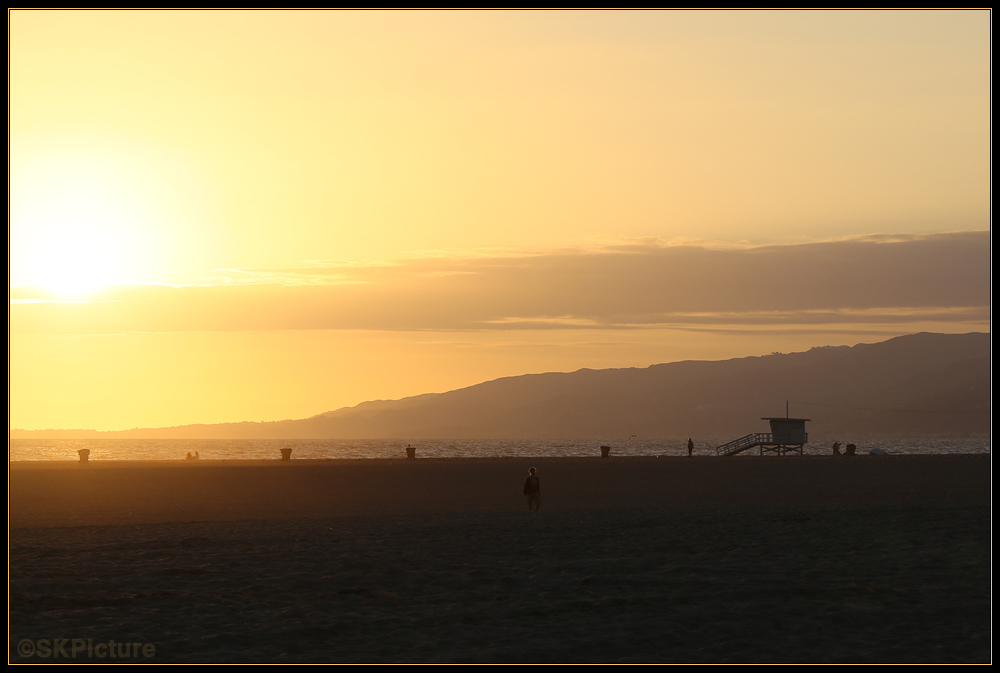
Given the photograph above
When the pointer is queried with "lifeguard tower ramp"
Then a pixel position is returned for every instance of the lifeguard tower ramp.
(787, 434)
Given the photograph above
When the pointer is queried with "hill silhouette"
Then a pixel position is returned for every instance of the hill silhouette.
(920, 385)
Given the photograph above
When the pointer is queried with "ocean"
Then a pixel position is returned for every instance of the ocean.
(332, 449)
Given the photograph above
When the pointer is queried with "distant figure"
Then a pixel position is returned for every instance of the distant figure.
(850, 449)
(836, 448)
(690, 446)
(189, 456)
(532, 493)
(197, 456)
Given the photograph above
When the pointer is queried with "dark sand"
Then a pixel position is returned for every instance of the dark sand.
(630, 559)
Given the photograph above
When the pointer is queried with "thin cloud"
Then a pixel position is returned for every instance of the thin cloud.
(61, 301)
(937, 278)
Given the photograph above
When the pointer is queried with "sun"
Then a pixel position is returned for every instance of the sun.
(78, 261)
(78, 225)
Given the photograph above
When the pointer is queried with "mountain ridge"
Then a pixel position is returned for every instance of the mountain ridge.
(921, 384)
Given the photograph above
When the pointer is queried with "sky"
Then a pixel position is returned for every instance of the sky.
(238, 215)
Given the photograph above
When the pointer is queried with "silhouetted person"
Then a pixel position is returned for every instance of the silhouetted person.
(197, 456)
(850, 449)
(189, 456)
(836, 448)
(690, 446)
(532, 493)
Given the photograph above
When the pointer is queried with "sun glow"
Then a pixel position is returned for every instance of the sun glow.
(78, 225)
(77, 261)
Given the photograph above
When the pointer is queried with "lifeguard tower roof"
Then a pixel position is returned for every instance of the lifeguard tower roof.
(785, 418)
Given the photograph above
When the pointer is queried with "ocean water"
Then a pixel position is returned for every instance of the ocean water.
(266, 449)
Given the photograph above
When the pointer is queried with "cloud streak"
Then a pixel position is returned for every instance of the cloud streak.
(939, 277)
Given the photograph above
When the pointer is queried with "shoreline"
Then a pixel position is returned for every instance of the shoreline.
(155, 462)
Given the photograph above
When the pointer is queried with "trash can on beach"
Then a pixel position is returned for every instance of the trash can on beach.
(605, 451)
(286, 454)
(84, 455)
(411, 452)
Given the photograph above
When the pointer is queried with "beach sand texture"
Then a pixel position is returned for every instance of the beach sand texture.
(630, 559)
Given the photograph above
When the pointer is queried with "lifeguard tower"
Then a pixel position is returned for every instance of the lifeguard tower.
(787, 434)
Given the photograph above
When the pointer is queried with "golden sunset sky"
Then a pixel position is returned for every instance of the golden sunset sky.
(226, 216)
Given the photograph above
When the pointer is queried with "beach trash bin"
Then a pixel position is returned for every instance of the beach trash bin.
(411, 452)
(286, 454)
(84, 455)
(605, 451)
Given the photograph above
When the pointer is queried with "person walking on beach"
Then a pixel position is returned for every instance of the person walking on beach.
(532, 493)
(690, 446)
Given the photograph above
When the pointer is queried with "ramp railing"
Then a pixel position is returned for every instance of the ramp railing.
(743, 443)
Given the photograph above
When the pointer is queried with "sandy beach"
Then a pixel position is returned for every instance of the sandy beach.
(630, 559)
